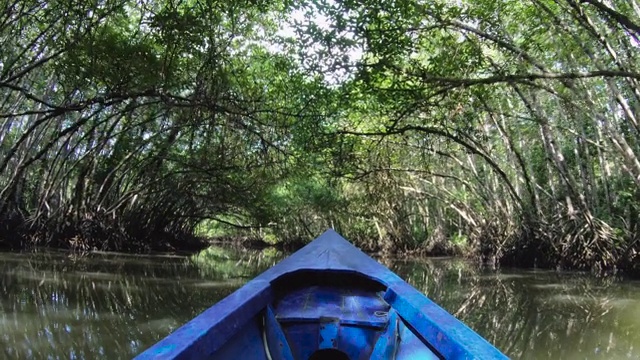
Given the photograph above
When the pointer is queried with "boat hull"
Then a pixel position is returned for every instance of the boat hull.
(327, 301)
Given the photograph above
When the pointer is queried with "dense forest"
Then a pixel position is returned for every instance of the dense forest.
(505, 130)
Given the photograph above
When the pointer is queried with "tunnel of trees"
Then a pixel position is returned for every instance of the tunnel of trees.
(507, 130)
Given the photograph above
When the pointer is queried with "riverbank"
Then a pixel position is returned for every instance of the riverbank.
(449, 249)
(192, 244)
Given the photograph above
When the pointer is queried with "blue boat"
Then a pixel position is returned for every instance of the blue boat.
(329, 300)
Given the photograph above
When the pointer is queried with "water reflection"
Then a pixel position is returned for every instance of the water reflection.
(536, 314)
(53, 306)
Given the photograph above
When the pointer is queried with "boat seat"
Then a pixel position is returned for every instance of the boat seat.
(348, 306)
(342, 323)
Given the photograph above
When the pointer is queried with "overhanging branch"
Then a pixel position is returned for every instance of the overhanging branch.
(444, 133)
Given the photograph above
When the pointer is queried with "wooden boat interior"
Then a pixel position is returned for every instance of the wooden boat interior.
(328, 315)
(329, 300)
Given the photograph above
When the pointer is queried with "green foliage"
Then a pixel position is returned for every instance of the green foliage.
(459, 240)
(134, 125)
(213, 229)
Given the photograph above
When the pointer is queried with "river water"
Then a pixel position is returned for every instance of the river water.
(59, 306)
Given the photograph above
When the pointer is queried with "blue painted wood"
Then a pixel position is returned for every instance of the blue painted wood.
(350, 306)
(434, 325)
(302, 338)
(412, 348)
(387, 344)
(348, 320)
(205, 334)
(244, 344)
(357, 342)
(328, 334)
(278, 346)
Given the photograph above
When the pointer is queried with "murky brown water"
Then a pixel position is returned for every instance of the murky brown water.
(56, 306)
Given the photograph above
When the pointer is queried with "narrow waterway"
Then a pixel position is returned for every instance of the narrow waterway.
(58, 306)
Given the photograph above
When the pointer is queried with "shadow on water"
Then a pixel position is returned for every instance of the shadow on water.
(114, 306)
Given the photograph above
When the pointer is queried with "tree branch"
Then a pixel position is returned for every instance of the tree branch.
(446, 134)
(612, 14)
(527, 77)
